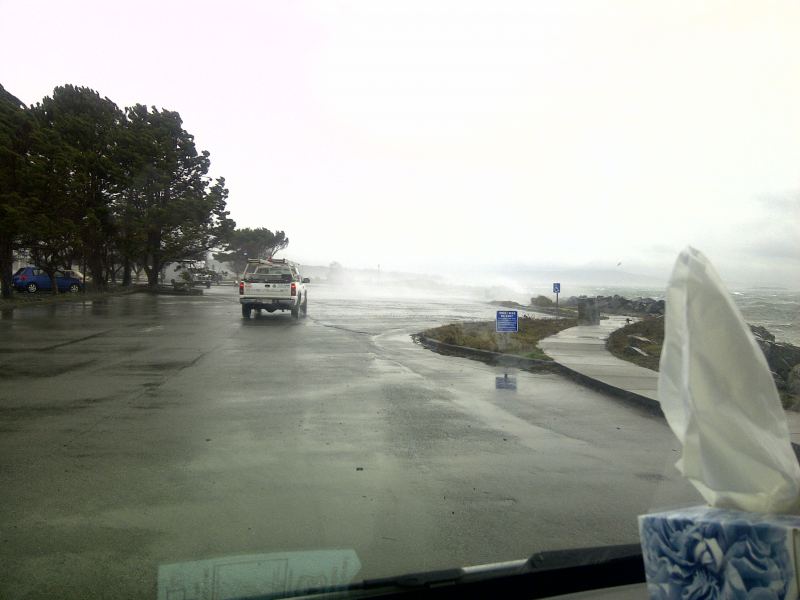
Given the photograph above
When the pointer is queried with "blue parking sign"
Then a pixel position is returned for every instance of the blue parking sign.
(506, 321)
(556, 288)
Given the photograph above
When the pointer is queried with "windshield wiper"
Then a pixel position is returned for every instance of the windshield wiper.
(543, 575)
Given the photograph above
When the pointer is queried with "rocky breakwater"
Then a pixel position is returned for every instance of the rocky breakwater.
(641, 343)
(783, 360)
(619, 305)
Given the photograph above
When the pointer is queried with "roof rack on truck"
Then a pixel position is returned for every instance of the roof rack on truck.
(277, 261)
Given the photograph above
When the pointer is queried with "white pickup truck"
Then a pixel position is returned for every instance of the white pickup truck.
(273, 284)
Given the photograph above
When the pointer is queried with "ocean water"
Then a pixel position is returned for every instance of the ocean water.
(777, 310)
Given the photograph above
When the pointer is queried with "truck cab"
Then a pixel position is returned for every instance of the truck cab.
(273, 284)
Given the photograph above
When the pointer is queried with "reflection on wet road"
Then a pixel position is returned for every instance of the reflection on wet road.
(142, 431)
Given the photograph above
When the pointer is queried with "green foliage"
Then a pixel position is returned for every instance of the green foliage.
(15, 133)
(169, 209)
(244, 244)
(70, 180)
(542, 301)
(651, 329)
(81, 129)
(83, 181)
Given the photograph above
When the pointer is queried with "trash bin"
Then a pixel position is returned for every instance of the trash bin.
(588, 313)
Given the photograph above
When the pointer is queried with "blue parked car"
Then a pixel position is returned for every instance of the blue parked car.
(33, 279)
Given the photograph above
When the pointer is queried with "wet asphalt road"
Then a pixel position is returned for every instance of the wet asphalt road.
(139, 431)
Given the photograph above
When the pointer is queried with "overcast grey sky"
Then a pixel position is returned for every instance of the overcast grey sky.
(426, 135)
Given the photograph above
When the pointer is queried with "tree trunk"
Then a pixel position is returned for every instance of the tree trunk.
(126, 273)
(6, 265)
(53, 283)
(153, 263)
(97, 271)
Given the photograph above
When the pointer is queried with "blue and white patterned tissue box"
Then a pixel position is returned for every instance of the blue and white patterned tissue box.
(702, 552)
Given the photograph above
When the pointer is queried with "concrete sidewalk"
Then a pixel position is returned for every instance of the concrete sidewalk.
(583, 349)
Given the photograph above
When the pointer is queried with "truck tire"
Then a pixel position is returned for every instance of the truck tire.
(296, 310)
(305, 306)
(246, 310)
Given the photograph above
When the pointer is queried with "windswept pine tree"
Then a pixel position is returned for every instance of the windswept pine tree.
(82, 181)
(15, 131)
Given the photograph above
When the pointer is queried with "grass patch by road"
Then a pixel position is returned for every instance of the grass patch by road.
(482, 336)
(647, 335)
(561, 311)
(20, 299)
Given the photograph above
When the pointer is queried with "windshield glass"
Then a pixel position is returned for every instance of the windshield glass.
(479, 206)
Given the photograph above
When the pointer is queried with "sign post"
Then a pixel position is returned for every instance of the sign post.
(506, 321)
(556, 291)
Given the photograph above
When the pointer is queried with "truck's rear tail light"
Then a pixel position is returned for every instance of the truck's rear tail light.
(241, 288)
(294, 289)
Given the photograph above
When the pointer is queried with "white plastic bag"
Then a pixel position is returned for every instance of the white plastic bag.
(719, 397)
